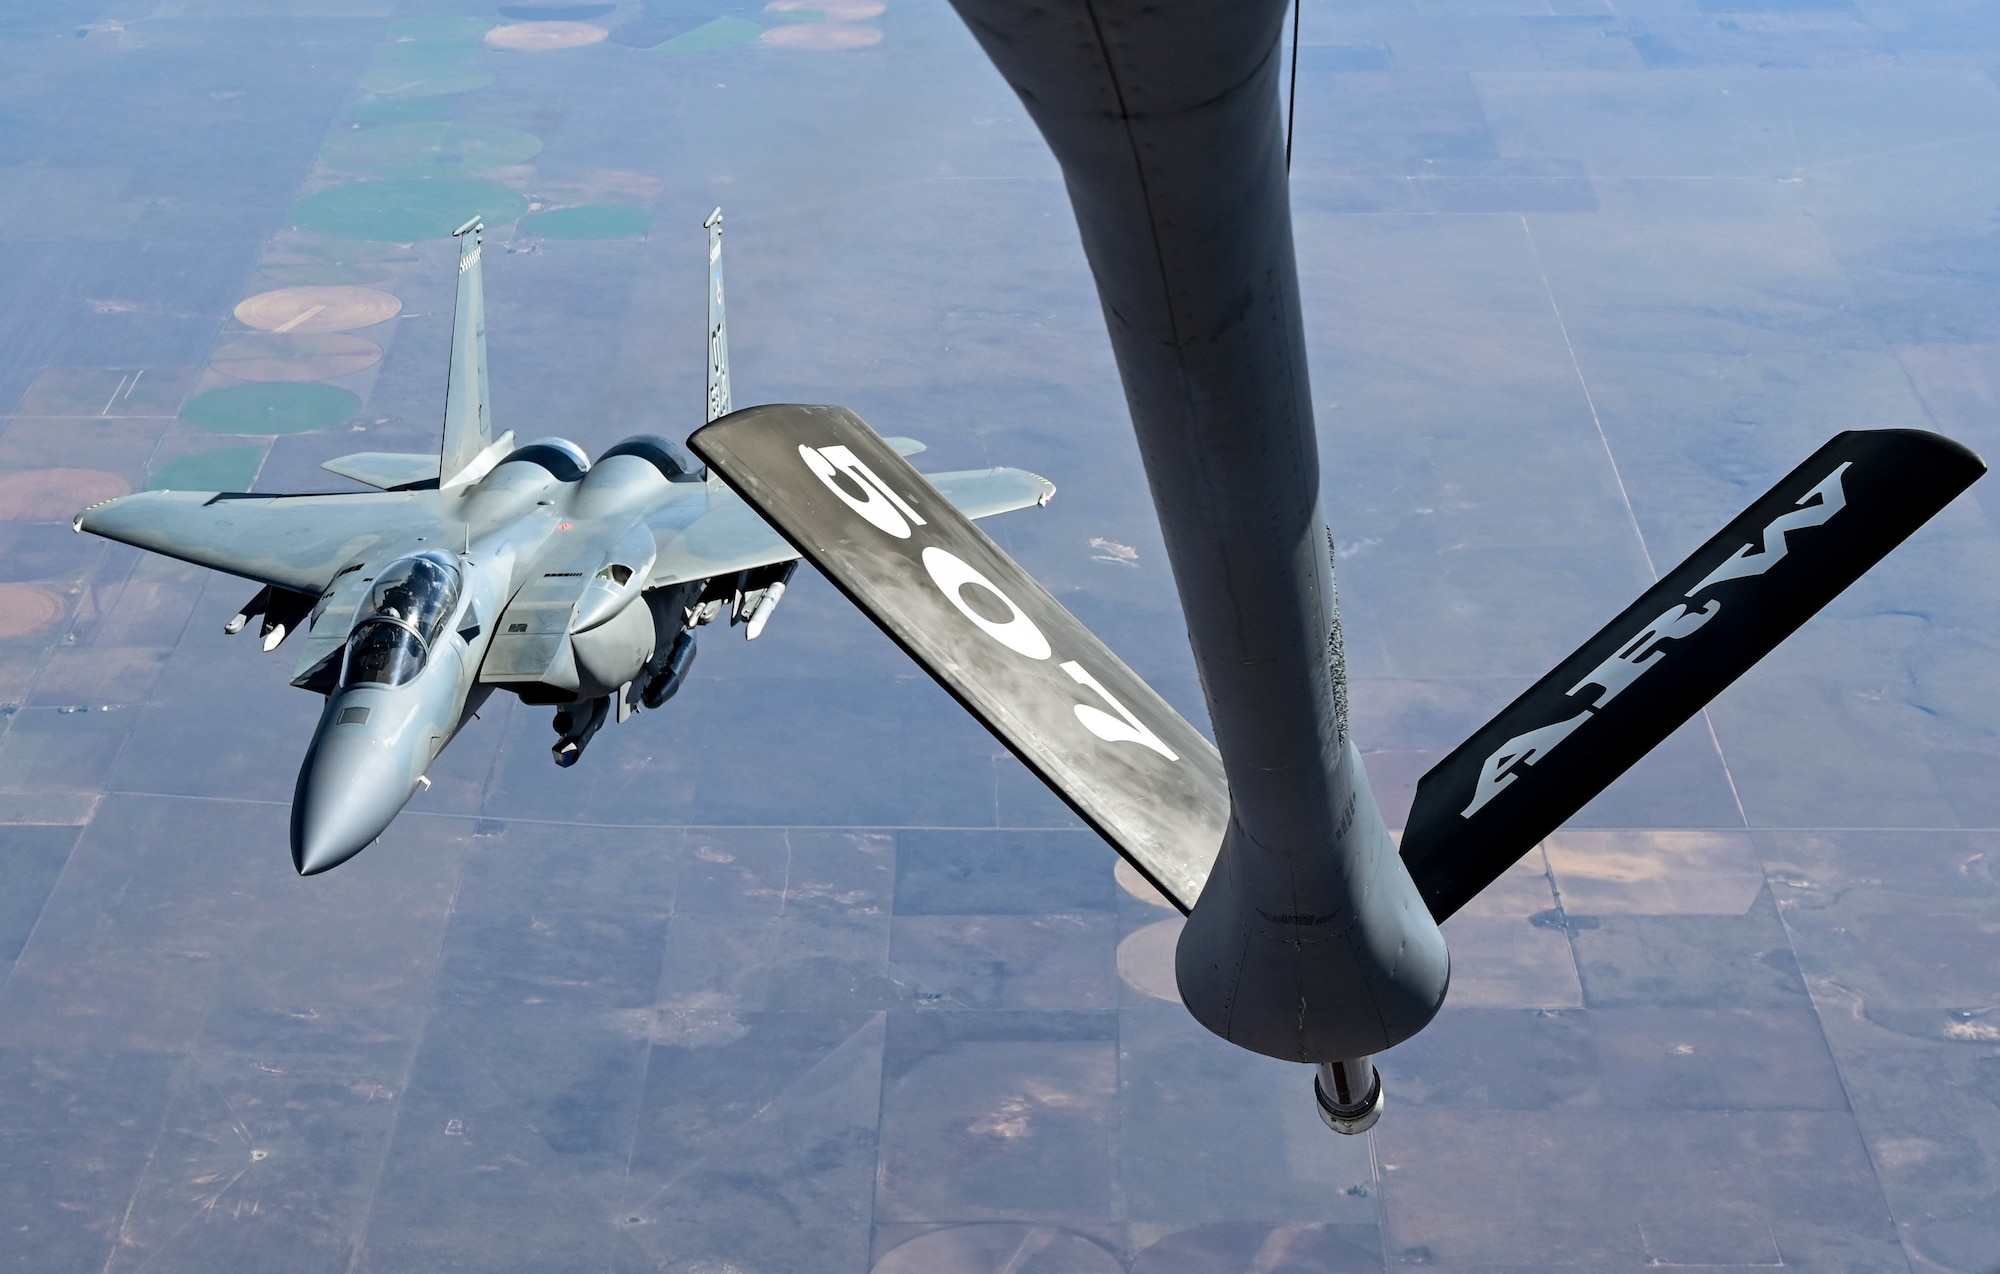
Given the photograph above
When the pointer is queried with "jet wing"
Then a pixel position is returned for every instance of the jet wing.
(730, 536)
(300, 541)
(1102, 740)
(293, 541)
(385, 470)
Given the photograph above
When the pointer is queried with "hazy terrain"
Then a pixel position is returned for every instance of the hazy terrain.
(804, 974)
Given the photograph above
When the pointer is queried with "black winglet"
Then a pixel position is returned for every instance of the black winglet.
(1672, 651)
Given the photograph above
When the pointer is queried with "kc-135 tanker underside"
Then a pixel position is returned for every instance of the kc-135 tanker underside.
(1158, 791)
(1311, 935)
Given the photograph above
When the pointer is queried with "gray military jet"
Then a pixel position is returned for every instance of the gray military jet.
(492, 566)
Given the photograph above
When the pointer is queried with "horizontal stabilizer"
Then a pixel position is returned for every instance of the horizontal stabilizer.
(730, 537)
(1672, 651)
(386, 470)
(982, 493)
(1102, 740)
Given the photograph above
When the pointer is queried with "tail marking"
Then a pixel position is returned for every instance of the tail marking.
(718, 328)
(468, 420)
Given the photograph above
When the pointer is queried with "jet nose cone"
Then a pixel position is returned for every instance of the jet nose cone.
(350, 789)
(316, 849)
(327, 834)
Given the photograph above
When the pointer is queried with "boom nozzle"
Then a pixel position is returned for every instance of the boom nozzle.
(1348, 1094)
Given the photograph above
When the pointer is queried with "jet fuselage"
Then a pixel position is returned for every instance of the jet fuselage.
(408, 671)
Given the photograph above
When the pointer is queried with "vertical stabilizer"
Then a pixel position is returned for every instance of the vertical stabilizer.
(468, 421)
(718, 329)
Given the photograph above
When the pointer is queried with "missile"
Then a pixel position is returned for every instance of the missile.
(283, 610)
(754, 607)
(251, 609)
(760, 614)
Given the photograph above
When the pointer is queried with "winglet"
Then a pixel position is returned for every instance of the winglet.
(468, 421)
(718, 329)
(1656, 665)
(1053, 694)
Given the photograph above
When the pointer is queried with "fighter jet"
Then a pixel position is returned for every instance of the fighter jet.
(489, 566)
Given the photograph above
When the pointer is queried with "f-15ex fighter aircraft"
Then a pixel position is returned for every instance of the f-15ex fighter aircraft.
(491, 565)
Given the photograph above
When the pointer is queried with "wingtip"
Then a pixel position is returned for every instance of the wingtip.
(76, 523)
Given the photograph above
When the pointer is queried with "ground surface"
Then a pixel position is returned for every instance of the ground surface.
(801, 975)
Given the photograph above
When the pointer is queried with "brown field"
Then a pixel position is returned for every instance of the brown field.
(327, 308)
(56, 495)
(28, 610)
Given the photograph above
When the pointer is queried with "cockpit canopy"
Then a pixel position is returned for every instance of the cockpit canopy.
(401, 619)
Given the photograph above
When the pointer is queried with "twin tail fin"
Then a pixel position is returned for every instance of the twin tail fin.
(468, 418)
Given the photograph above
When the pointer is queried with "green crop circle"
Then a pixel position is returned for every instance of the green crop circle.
(435, 30)
(400, 110)
(411, 77)
(591, 221)
(223, 469)
(404, 211)
(271, 408)
(433, 149)
(722, 33)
